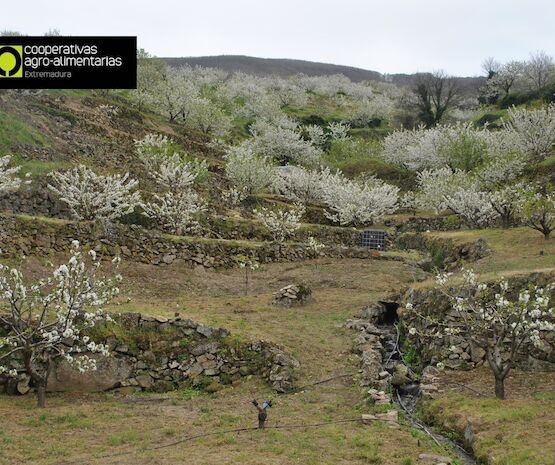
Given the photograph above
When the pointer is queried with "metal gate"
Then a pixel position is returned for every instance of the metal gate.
(373, 239)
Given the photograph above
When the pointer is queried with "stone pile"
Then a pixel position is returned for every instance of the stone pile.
(379, 397)
(293, 294)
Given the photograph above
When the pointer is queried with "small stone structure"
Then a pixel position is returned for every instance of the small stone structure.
(293, 294)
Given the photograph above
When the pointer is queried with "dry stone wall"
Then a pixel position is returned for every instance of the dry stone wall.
(454, 351)
(21, 235)
(161, 354)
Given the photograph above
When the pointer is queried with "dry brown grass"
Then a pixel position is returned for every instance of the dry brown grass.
(91, 428)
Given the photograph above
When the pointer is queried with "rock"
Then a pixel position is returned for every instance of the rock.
(110, 372)
(435, 459)
(371, 367)
(23, 385)
(292, 295)
(204, 330)
(168, 259)
(373, 312)
(401, 375)
(145, 381)
(210, 348)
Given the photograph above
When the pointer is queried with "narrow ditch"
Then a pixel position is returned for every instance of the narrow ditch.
(379, 323)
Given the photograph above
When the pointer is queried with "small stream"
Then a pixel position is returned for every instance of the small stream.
(407, 396)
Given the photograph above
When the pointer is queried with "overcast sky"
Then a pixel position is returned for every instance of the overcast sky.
(389, 36)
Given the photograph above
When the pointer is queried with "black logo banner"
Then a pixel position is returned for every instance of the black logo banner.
(68, 62)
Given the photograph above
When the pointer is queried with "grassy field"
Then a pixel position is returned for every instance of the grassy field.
(517, 431)
(92, 428)
(515, 250)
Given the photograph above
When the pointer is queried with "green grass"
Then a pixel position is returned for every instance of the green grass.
(507, 432)
(38, 168)
(514, 250)
(14, 130)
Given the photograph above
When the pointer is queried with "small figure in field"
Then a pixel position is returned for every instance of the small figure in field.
(262, 413)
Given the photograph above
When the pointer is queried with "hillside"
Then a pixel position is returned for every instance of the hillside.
(276, 66)
(285, 67)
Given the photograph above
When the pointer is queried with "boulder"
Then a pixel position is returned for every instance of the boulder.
(110, 372)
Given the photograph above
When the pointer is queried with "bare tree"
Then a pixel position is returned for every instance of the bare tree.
(539, 69)
(490, 67)
(436, 93)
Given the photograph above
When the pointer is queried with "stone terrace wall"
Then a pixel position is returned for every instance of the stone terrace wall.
(35, 199)
(161, 354)
(32, 236)
(430, 302)
(445, 253)
(239, 229)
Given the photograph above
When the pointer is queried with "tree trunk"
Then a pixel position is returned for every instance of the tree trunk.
(546, 234)
(41, 394)
(500, 388)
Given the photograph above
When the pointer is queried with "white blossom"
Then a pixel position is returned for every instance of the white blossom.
(91, 196)
(282, 224)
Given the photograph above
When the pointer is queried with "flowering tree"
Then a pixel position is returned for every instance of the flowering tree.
(314, 246)
(284, 145)
(414, 149)
(507, 76)
(174, 93)
(473, 206)
(233, 197)
(493, 320)
(282, 224)
(178, 174)
(208, 118)
(149, 73)
(533, 130)
(8, 180)
(301, 185)
(91, 196)
(316, 135)
(249, 172)
(435, 185)
(358, 203)
(537, 209)
(178, 206)
(249, 263)
(46, 321)
(339, 131)
(176, 211)
(378, 107)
